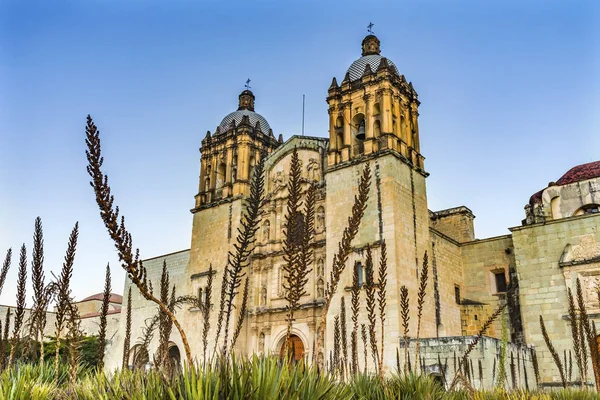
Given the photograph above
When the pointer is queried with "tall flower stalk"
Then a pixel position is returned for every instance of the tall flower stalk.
(63, 294)
(103, 319)
(127, 340)
(420, 303)
(381, 296)
(20, 310)
(115, 224)
(297, 239)
(344, 248)
(238, 260)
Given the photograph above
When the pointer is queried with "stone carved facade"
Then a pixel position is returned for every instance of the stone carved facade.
(373, 118)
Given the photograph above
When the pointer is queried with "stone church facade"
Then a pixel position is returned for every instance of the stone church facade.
(373, 118)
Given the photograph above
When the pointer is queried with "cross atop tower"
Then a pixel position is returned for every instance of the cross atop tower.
(247, 85)
(370, 28)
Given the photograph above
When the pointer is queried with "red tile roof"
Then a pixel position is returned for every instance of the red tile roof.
(114, 298)
(579, 173)
(97, 314)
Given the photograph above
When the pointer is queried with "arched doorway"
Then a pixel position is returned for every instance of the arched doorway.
(295, 348)
(174, 354)
(139, 357)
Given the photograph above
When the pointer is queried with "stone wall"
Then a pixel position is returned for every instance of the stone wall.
(446, 270)
(143, 310)
(543, 281)
(482, 259)
(456, 223)
(442, 357)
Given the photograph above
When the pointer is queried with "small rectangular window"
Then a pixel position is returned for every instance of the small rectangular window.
(359, 271)
(500, 279)
(457, 294)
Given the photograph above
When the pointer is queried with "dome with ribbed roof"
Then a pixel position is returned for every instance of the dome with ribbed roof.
(576, 174)
(371, 55)
(245, 108)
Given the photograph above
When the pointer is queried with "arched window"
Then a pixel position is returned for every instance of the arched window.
(358, 126)
(207, 184)
(403, 128)
(588, 209)
(377, 128)
(221, 175)
(376, 109)
(266, 231)
(234, 169)
(339, 132)
(339, 138)
(251, 169)
(359, 272)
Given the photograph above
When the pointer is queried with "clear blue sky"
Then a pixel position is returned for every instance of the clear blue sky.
(510, 94)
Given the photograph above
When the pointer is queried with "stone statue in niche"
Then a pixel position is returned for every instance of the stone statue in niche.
(320, 288)
(263, 296)
(278, 180)
(280, 282)
(312, 169)
(320, 267)
(261, 343)
(590, 285)
(320, 220)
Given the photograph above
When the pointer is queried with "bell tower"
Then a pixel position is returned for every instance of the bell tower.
(373, 119)
(230, 154)
(373, 109)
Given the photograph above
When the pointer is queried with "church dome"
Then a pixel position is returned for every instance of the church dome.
(576, 174)
(246, 108)
(371, 54)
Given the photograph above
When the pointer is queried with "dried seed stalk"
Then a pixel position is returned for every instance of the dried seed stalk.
(241, 316)
(238, 260)
(343, 336)
(127, 340)
(591, 339)
(404, 312)
(5, 268)
(575, 334)
(336, 343)
(420, 302)
(63, 293)
(103, 319)
(20, 311)
(363, 334)
(355, 307)
(371, 305)
(117, 230)
(344, 248)
(382, 301)
(206, 307)
(298, 236)
(484, 328)
(555, 355)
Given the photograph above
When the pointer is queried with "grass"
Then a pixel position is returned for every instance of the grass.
(248, 378)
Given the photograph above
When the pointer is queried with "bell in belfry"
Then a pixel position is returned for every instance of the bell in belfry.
(361, 130)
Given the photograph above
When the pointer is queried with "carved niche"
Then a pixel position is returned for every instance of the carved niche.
(582, 261)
